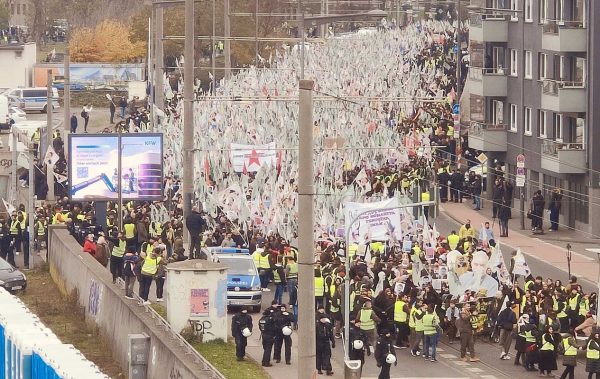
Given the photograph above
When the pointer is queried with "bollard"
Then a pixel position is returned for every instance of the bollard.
(352, 369)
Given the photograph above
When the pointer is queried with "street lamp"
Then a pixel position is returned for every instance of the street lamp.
(569, 259)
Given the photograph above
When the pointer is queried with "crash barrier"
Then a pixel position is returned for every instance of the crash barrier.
(29, 350)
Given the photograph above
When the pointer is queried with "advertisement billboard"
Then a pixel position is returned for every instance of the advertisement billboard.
(94, 166)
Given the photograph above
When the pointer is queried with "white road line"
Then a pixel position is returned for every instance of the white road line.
(488, 377)
(448, 356)
(460, 363)
(474, 369)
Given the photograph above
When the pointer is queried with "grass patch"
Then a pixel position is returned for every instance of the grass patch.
(66, 319)
(222, 355)
(43, 50)
(160, 309)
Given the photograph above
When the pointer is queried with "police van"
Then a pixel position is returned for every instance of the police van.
(243, 283)
(32, 99)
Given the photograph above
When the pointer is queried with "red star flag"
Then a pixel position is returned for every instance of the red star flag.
(252, 157)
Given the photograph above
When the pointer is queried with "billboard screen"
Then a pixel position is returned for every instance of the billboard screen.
(94, 166)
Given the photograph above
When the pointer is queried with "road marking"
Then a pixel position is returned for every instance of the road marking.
(448, 356)
(460, 363)
(488, 377)
(474, 369)
(439, 349)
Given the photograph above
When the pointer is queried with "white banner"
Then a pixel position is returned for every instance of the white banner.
(379, 224)
(253, 157)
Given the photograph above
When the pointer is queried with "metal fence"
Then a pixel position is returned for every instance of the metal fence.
(550, 147)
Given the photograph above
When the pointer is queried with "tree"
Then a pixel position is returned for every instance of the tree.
(4, 15)
(108, 42)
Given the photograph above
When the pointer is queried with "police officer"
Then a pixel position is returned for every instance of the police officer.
(283, 322)
(383, 348)
(5, 241)
(268, 331)
(356, 334)
(239, 322)
(324, 331)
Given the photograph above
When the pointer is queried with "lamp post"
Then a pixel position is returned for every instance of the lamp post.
(569, 259)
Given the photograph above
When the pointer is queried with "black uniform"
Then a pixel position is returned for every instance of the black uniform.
(324, 338)
(359, 355)
(5, 248)
(269, 330)
(382, 349)
(283, 319)
(239, 322)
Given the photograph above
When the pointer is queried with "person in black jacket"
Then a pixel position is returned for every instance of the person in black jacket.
(239, 322)
(383, 348)
(357, 334)
(283, 319)
(195, 225)
(5, 240)
(324, 331)
(506, 321)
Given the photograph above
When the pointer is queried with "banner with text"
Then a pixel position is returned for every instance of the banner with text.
(381, 223)
(251, 158)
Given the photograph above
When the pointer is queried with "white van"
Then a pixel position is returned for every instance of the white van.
(4, 113)
(32, 99)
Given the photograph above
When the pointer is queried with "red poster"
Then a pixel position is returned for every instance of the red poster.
(199, 303)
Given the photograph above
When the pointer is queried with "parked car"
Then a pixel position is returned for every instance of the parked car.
(11, 279)
(17, 115)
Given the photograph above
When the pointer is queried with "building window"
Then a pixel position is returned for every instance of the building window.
(542, 65)
(513, 118)
(514, 6)
(18, 8)
(12, 9)
(543, 11)
(527, 8)
(558, 127)
(527, 121)
(528, 64)
(542, 124)
(23, 8)
(513, 62)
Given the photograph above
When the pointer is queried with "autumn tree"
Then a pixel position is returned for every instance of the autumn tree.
(4, 14)
(108, 42)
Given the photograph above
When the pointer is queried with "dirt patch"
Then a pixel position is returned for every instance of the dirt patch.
(67, 320)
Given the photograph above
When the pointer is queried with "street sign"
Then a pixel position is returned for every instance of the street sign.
(520, 177)
(520, 181)
(456, 109)
(482, 158)
(521, 161)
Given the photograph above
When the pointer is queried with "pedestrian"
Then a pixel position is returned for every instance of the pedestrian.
(195, 225)
(452, 314)
(283, 322)
(368, 321)
(570, 347)
(592, 363)
(268, 329)
(161, 273)
(319, 287)
(130, 233)
(74, 123)
(241, 329)
(149, 270)
(122, 106)
(466, 325)
(430, 331)
(536, 209)
(506, 322)
(547, 358)
(291, 276)
(554, 207)
(416, 326)
(5, 243)
(503, 217)
(89, 246)
(385, 354)
(359, 343)
(130, 261)
(279, 279)
(401, 311)
(112, 109)
(116, 257)
(85, 114)
(324, 331)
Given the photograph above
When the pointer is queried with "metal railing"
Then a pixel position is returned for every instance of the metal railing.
(552, 87)
(550, 147)
(189, 349)
(553, 26)
(477, 73)
(477, 19)
(477, 128)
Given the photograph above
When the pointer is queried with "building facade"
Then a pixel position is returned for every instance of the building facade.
(19, 9)
(534, 89)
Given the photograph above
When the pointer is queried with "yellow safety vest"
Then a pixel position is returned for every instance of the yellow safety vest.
(332, 289)
(429, 324)
(399, 314)
(528, 284)
(425, 196)
(13, 227)
(35, 138)
(529, 337)
(256, 257)
(411, 317)
(592, 353)
(366, 322)
(584, 307)
(264, 262)
(418, 322)
(119, 250)
(129, 229)
(562, 313)
(293, 273)
(569, 349)
(149, 248)
(547, 346)
(319, 286)
(276, 278)
(573, 302)
(150, 266)
(453, 240)
(41, 229)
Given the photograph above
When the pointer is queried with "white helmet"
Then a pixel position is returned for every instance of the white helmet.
(286, 330)
(390, 359)
(357, 344)
(246, 332)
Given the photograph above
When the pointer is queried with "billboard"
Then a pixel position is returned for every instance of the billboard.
(94, 166)
(116, 75)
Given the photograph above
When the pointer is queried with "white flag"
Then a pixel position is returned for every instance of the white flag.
(521, 266)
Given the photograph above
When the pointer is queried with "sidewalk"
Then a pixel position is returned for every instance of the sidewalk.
(549, 247)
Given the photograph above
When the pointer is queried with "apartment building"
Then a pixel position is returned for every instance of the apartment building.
(19, 10)
(534, 89)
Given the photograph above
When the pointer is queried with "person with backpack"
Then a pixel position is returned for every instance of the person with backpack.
(241, 321)
(283, 321)
(268, 329)
(324, 330)
(129, 262)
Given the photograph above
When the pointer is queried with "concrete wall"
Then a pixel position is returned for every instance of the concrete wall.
(16, 65)
(116, 317)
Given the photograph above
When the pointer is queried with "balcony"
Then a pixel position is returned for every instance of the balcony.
(488, 81)
(563, 158)
(564, 97)
(564, 36)
(487, 137)
(489, 28)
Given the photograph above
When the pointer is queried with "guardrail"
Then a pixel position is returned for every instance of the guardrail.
(197, 357)
(550, 147)
(477, 128)
(477, 73)
(553, 26)
(551, 87)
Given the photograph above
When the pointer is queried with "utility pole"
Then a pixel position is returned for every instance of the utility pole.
(67, 96)
(49, 132)
(458, 53)
(227, 44)
(188, 110)
(306, 291)
(256, 33)
(159, 91)
(31, 207)
(214, 55)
